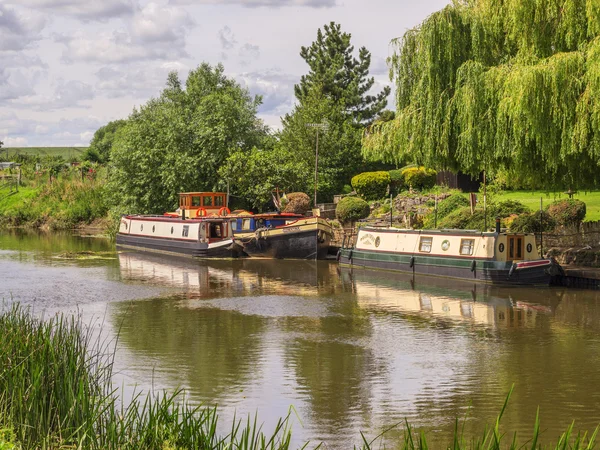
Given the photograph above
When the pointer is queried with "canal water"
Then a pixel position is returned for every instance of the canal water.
(342, 351)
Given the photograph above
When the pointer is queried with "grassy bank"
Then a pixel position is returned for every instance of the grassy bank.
(58, 203)
(67, 153)
(56, 392)
(531, 199)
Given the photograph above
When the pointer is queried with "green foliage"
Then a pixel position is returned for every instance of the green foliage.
(462, 218)
(419, 177)
(350, 209)
(336, 91)
(178, 141)
(536, 222)
(254, 175)
(297, 202)
(340, 76)
(396, 181)
(450, 204)
(507, 208)
(371, 185)
(102, 142)
(567, 212)
(499, 85)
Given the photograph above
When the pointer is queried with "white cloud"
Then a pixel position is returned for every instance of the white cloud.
(276, 88)
(138, 81)
(85, 10)
(156, 32)
(67, 94)
(14, 142)
(257, 3)
(18, 30)
(249, 53)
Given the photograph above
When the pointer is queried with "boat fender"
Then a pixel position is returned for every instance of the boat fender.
(412, 262)
(224, 211)
(339, 255)
(350, 255)
(473, 265)
(512, 269)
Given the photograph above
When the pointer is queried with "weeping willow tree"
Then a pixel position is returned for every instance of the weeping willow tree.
(494, 85)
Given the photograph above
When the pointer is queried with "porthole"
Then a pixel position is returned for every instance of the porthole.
(142, 227)
(153, 228)
(501, 248)
(171, 230)
(529, 248)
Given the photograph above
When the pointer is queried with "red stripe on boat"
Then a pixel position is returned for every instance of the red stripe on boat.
(525, 265)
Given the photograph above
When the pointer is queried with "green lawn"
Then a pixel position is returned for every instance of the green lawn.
(66, 152)
(532, 200)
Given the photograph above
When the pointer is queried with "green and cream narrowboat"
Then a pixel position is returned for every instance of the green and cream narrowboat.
(492, 257)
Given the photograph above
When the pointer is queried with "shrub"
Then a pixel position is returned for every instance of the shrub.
(450, 204)
(531, 223)
(567, 212)
(371, 185)
(463, 219)
(297, 203)
(396, 181)
(352, 208)
(347, 189)
(507, 208)
(419, 177)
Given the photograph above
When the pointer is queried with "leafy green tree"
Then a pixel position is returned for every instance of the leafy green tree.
(178, 141)
(335, 90)
(499, 85)
(340, 76)
(101, 144)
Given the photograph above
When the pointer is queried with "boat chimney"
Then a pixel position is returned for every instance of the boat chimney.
(497, 225)
(183, 214)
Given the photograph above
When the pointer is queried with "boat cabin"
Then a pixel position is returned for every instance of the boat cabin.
(249, 223)
(202, 204)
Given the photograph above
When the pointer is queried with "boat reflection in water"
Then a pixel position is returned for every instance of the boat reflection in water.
(449, 300)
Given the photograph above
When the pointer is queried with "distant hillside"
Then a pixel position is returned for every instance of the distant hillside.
(66, 152)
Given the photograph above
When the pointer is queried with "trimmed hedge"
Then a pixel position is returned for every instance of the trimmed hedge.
(530, 223)
(419, 178)
(567, 212)
(352, 208)
(371, 185)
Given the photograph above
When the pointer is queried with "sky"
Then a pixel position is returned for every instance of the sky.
(68, 67)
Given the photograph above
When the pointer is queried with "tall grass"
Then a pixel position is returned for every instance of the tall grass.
(56, 393)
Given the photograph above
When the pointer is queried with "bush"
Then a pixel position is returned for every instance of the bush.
(419, 178)
(507, 208)
(450, 204)
(531, 223)
(352, 208)
(567, 212)
(297, 203)
(371, 185)
(396, 181)
(463, 219)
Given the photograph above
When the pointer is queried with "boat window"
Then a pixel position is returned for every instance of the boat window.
(234, 225)
(196, 200)
(425, 244)
(245, 224)
(219, 200)
(185, 231)
(216, 230)
(207, 201)
(467, 246)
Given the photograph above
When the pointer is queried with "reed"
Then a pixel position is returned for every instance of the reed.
(56, 393)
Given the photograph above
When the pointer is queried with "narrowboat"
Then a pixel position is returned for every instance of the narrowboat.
(280, 235)
(198, 228)
(498, 257)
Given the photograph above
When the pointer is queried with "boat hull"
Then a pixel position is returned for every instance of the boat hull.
(309, 244)
(536, 273)
(224, 249)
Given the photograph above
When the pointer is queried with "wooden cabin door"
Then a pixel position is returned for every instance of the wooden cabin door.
(515, 248)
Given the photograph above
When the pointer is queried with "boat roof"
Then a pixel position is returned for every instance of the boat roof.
(443, 231)
(202, 193)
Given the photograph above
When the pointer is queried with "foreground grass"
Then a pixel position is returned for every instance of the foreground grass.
(56, 393)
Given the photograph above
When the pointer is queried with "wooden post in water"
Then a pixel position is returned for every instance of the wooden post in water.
(391, 210)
